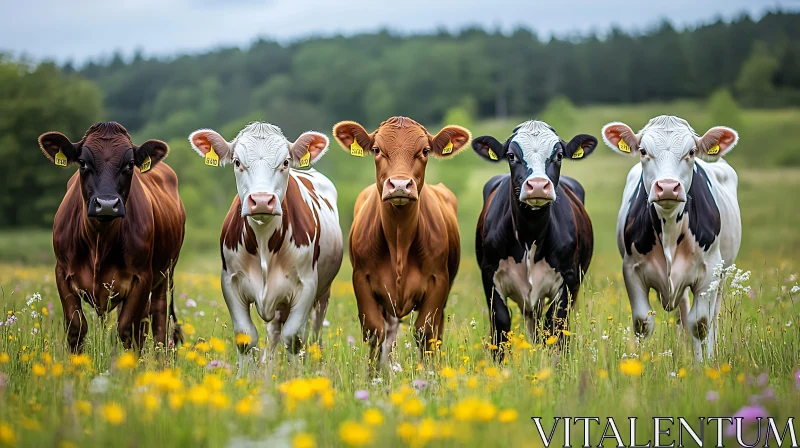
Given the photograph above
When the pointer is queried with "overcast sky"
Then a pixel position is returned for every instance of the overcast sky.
(81, 29)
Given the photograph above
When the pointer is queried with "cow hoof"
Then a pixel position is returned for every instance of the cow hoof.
(700, 328)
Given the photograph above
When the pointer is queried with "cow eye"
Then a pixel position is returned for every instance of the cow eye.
(131, 164)
(691, 152)
(510, 157)
(376, 150)
(82, 163)
(643, 152)
(286, 163)
(559, 156)
(237, 163)
(426, 151)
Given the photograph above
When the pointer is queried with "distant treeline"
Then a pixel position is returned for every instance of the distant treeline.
(311, 84)
(369, 77)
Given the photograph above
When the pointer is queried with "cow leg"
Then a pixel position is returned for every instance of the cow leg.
(558, 313)
(684, 310)
(158, 313)
(392, 325)
(429, 323)
(75, 322)
(133, 312)
(498, 314)
(319, 315)
(293, 332)
(373, 326)
(239, 310)
(643, 321)
(701, 320)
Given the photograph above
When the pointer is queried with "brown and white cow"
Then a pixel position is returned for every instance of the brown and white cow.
(281, 242)
(404, 242)
(117, 233)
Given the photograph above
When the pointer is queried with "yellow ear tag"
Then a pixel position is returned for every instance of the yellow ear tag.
(60, 159)
(623, 146)
(448, 148)
(578, 154)
(713, 150)
(356, 149)
(305, 160)
(492, 155)
(145, 165)
(212, 159)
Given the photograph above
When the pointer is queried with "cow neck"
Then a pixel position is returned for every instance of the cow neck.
(263, 233)
(400, 226)
(530, 225)
(100, 238)
(672, 226)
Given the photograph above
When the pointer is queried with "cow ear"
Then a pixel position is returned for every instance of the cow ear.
(580, 146)
(205, 140)
(149, 154)
(717, 141)
(619, 137)
(58, 149)
(449, 141)
(308, 148)
(353, 137)
(489, 148)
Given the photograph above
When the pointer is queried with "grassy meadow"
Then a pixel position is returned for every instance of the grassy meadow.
(457, 395)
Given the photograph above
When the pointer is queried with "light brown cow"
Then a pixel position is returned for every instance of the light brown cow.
(117, 233)
(404, 242)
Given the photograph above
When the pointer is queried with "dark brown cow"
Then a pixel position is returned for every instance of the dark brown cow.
(117, 233)
(404, 242)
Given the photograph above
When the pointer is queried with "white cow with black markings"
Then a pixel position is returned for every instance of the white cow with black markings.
(679, 221)
(281, 243)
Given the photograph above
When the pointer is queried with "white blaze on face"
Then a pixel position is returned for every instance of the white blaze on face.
(537, 141)
(667, 141)
(261, 150)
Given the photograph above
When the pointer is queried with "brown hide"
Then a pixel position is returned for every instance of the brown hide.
(124, 261)
(404, 257)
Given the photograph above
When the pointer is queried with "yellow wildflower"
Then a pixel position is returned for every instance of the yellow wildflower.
(126, 361)
(314, 352)
(373, 417)
(220, 400)
(602, 373)
(188, 328)
(630, 367)
(413, 407)
(681, 373)
(84, 407)
(203, 347)
(57, 369)
(355, 434)
(218, 345)
(80, 360)
(507, 416)
(725, 368)
(7, 436)
(113, 413)
(303, 440)
(4, 358)
(198, 395)
(551, 340)
(447, 372)
(243, 339)
(150, 401)
(175, 401)
(714, 374)
(38, 370)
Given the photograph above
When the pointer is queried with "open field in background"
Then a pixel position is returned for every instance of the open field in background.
(456, 395)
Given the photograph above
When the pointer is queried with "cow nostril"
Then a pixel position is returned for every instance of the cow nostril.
(408, 185)
(252, 201)
(272, 201)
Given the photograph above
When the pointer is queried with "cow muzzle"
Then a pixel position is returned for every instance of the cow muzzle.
(668, 192)
(262, 204)
(106, 208)
(399, 191)
(538, 192)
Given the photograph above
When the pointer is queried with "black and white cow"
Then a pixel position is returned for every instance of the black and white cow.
(679, 221)
(534, 239)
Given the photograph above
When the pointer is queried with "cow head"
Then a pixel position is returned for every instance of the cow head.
(667, 147)
(400, 147)
(107, 158)
(261, 158)
(534, 153)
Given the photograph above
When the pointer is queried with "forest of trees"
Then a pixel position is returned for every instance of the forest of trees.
(313, 83)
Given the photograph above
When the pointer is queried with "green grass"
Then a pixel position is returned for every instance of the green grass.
(758, 335)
